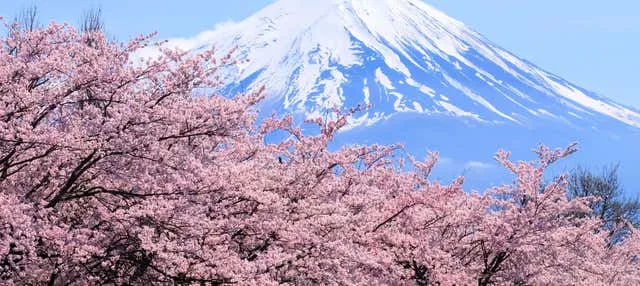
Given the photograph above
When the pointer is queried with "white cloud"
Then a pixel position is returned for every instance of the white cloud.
(477, 165)
(203, 39)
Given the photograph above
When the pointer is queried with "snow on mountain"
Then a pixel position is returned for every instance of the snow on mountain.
(400, 56)
(433, 83)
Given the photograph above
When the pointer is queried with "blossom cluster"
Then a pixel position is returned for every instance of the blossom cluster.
(113, 172)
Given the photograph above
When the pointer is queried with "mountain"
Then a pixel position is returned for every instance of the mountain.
(431, 81)
(399, 56)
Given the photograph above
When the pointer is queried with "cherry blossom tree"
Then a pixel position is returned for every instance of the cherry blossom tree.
(114, 170)
(612, 207)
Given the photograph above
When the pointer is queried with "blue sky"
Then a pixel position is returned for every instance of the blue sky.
(591, 43)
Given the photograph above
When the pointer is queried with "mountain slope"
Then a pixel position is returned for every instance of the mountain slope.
(432, 83)
(399, 56)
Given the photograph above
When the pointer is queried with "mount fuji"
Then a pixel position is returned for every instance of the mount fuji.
(431, 83)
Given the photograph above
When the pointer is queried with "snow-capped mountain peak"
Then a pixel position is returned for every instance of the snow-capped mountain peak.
(399, 56)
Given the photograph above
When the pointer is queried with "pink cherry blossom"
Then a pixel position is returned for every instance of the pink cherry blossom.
(113, 172)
